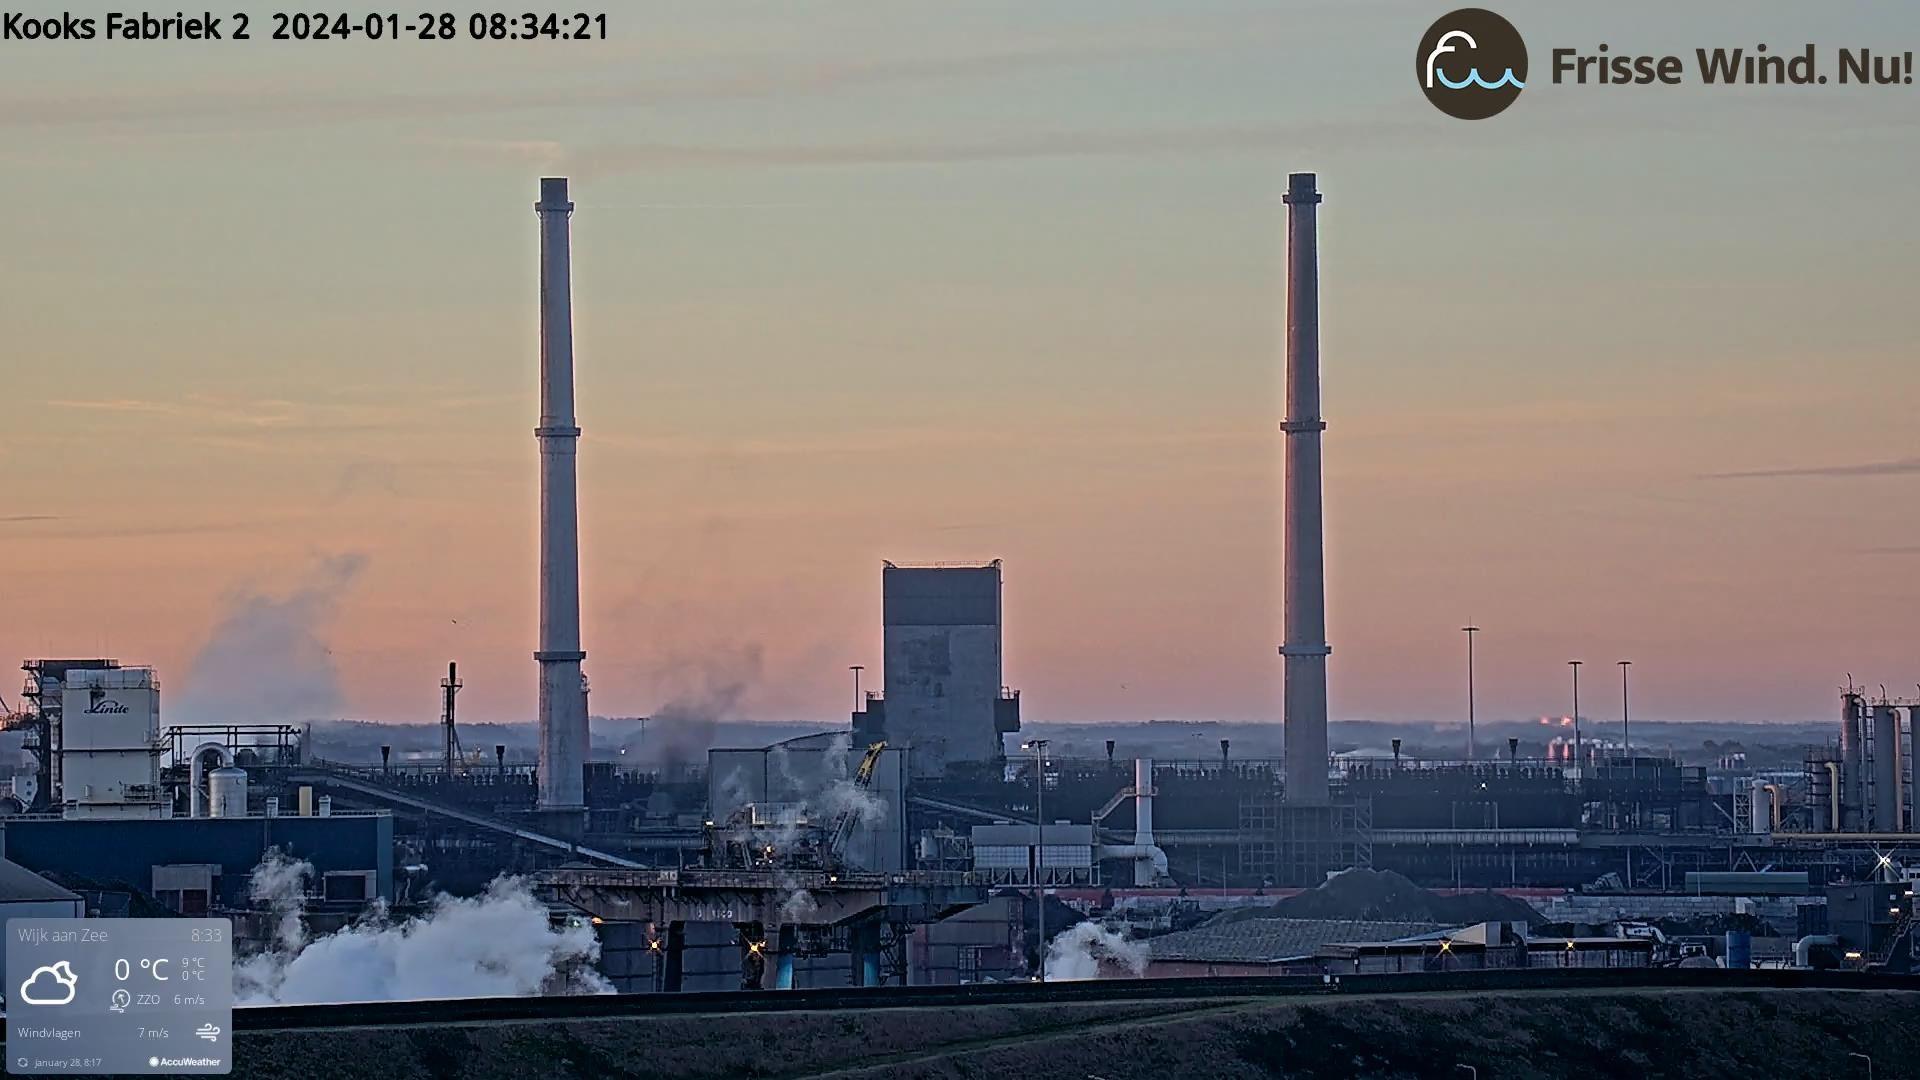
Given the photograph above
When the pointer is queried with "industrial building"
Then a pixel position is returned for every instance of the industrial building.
(943, 695)
(130, 811)
(1358, 947)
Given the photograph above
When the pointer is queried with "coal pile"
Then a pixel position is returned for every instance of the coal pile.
(1384, 896)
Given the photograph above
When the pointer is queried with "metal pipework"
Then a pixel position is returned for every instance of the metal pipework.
(563, 700)
(1761, 812)
(1913, 770)
(1305, 650)
(1143, 793)
(1833, 795)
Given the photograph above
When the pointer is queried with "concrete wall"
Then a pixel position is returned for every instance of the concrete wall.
(1204, 969)
(943, 673)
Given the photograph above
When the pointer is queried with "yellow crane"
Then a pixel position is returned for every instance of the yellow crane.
(862, 779)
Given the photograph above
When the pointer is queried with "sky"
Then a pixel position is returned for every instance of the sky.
(1624, 372)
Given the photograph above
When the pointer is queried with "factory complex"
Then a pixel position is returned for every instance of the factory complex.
(921, 840)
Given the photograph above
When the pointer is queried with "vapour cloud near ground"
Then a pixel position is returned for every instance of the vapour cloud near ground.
(498, 944)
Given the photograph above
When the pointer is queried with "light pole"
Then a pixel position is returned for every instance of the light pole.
(1866, 1059)
(856, 669)
(1626, 733)
(1039, 748)
(1579, 759)
(1470, 631)
(1472, 1073)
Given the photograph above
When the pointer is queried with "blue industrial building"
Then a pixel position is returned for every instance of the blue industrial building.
(191, 864)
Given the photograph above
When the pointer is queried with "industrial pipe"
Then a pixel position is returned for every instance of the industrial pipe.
(1803, 949)
(1853, 764)
(1913, 771)
(1304, 713)
(1152, 862)
(563, 699)
(1143, 856)
(1887, 770)
(196, 775)
(1759, 810)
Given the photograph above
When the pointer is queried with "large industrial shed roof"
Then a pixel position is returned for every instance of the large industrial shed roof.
(1270, 941)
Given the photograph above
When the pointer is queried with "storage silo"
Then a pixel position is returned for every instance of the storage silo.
(1887, 770)
(1853, 764)
(227, 793)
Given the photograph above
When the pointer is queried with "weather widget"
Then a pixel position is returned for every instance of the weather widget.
(94, 996)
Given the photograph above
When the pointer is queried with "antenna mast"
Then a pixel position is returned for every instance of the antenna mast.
(449, 689)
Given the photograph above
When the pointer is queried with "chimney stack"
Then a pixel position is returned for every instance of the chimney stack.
(563, 697)
(1305, 649)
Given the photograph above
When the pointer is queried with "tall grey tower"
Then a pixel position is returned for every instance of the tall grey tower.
(1305, 650)
(563, 693)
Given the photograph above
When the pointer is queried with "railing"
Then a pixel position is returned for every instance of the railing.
(781, 878)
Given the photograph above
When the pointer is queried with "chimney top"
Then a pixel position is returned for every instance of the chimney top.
(553, 194)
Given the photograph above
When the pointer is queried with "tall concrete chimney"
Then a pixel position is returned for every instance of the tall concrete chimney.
(1305, 650)
(563, 695)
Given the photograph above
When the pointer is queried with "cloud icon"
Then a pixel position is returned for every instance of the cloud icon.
(53, 984)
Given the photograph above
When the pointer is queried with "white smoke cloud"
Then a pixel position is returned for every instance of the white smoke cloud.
(497, 944)
(265, 659)
(818, 800)
(281, 883)
(1077, 954)
(841, 795)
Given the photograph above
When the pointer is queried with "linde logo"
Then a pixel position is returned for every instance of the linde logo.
(99, 702)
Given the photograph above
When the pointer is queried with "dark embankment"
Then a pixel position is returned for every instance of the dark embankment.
(1583, 1032)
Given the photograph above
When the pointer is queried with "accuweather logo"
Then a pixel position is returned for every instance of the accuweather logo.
(1471, 64)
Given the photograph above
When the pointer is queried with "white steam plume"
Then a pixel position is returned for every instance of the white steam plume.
(281, 883)
(1077, 954)
(498, 944)
(842, 795)
(265, 659)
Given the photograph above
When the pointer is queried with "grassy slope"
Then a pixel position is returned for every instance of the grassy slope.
(1508, 1036)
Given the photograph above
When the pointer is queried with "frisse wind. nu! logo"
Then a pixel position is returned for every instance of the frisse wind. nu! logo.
(1471, 63)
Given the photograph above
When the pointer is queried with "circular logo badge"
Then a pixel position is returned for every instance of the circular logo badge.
(1471, 63)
